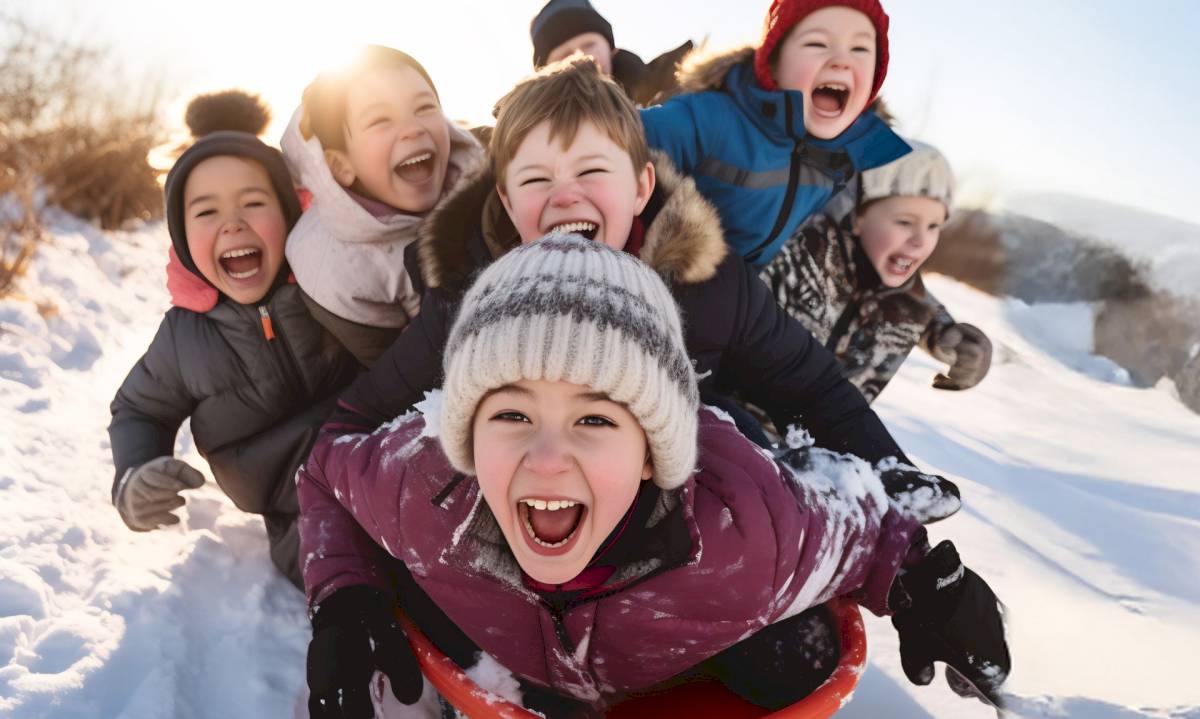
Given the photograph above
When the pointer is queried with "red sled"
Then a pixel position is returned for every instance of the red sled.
(700, 699)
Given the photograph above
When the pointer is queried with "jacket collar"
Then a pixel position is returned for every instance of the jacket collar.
(779, 114)
(683, 240)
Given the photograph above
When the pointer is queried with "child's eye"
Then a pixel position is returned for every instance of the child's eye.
(814, 43)
(592, 171)
(595, 420)
(377, 122)
(426, 109)
(510, 416)
(861, 48)
(903, 223)
(531, 180)
(205, 213)
(256, 203)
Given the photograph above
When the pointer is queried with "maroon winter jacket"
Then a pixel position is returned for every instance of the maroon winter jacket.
(744, 543)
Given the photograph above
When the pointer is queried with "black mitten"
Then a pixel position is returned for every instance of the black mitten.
(355, 632)
(926, 498)
(950, 615)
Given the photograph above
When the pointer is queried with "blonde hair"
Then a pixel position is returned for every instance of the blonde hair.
(566, 94)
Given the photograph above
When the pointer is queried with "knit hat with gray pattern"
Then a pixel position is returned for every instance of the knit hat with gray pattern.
(923, 172)
(571, 309)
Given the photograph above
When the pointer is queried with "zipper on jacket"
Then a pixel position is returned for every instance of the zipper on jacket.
(789, 197)
(288, 366)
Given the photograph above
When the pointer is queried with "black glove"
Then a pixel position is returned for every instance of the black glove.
(967, 350)
(355, 632)
(947, 613)
(927, 498)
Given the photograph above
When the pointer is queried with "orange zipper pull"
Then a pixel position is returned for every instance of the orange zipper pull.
(268, 330)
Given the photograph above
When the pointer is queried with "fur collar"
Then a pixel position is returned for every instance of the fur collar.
(683, 242)
(705, 69)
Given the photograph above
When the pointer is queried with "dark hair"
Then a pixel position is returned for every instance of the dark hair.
(325, 97)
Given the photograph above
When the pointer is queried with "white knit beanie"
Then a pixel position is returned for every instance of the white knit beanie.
(571, 309)
(923, 172)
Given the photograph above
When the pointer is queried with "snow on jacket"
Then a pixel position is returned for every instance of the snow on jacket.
(648, 82)
(347, 259)
(255, 400)
(750, 155)
(824, 279)
(736, 335)
(745, 542)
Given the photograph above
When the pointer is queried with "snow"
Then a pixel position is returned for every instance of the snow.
(1080, 508)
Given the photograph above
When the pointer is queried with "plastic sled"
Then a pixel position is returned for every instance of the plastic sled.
(699, 699)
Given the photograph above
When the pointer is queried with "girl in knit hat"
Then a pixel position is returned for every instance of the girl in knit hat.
(856, 285)
(573, 513)
(237, 353)
(374, 150)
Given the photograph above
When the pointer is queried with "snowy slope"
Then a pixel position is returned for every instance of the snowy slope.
(1082, 510)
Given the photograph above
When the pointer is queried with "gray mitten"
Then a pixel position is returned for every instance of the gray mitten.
(147, 493)
(967, 350)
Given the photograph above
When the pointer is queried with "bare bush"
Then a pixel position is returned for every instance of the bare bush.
(21, 232)
(69, 124)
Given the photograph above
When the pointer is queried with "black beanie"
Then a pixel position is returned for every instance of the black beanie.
(561, 20)
(225, 142)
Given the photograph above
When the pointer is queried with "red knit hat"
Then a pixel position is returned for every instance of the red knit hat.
(785, 14)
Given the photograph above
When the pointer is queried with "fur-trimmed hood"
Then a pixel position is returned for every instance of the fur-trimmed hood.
(683, 239)
(705, 68)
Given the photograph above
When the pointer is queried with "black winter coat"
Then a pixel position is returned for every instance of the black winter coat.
(255, 403)
(737, 336)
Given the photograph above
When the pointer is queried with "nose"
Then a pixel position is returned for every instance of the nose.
(547, 455)
(411, 129)
(921, 237)
(233, 226)
(564, 195)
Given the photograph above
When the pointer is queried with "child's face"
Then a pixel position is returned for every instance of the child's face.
(592, 44)
(898, 234)
(234, 225)
(540, 445)
(590, 187)
(830, 57)
(397, 140)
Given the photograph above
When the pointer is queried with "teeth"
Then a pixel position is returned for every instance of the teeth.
(540, 543)
(837, 86)
(239, 253)
(553, 505)
(244, 275)
(574, 227)
(415, 160)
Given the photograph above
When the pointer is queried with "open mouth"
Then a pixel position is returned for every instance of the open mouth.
(587, 229)
(242, 263)
(829, 98)
(417, 169)
(550, 525)
(900, 265)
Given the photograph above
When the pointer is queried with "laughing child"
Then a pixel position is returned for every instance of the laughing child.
(238, 354)
(374, 148)
(778, 135)
(578, 517)
(857, 287)
(568, 154)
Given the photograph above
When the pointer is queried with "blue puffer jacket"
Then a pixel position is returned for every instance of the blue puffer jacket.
(748, 151)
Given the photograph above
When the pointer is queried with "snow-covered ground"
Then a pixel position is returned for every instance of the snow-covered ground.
(1081, 509)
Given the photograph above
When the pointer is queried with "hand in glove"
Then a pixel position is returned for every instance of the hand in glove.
(148, 493)
(947, 613)
(926, 498)
(355, 633)
(967, 350)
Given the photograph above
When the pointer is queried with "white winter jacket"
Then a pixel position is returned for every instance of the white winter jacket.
(345, 258)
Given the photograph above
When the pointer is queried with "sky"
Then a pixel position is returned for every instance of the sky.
(1093, 98)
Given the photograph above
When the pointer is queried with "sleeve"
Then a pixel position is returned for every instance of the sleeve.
(941, 320)
(672, 128)
(402, 375)
(850, 541)
(350, 509)
(775, 363)
(150, 405)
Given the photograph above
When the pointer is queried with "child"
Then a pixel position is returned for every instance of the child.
(375, 150)
(568, 154)
(589, 529)
(238, 353)
(776, 136)
(857, 285)
(563, 27)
